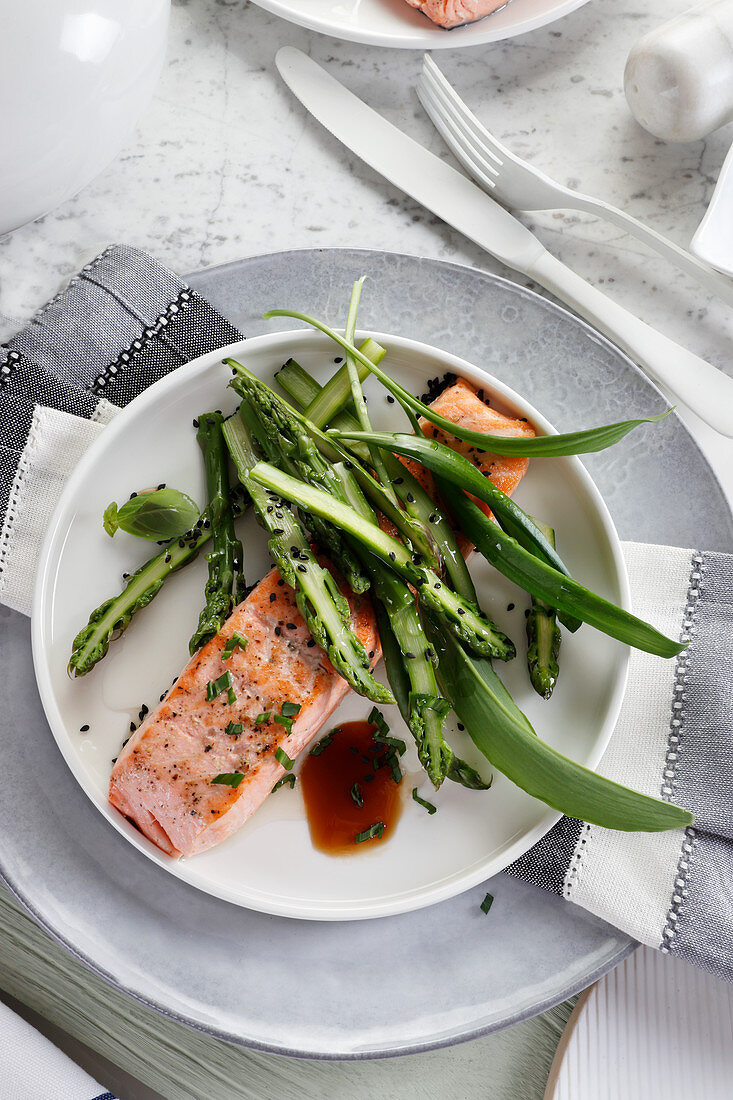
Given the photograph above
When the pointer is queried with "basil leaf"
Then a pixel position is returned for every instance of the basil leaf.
(155, 514)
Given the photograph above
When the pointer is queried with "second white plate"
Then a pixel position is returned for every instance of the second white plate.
(394, 23)
(270, 865)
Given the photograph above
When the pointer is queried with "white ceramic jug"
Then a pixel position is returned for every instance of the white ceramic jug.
(76, 75)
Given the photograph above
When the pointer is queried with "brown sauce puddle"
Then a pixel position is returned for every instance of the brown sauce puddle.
(334, 818)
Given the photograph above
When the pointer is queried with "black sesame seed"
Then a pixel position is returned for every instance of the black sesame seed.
(510, 607)
(273, 597)
(461, 727)
(84, 728)
(390, 399)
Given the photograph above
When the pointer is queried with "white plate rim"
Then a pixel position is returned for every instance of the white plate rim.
(42, 603)
(431, 37)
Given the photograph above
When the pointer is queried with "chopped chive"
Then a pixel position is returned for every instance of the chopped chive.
(376, 718)
(394, 765)
(232, 643)
(487, 903)
(215, 687)
(373, 831)
(283, 720)
(423, 802)
(286, 781)
(289, 709)
(262, 717)
(321, 745)
(229, 779)
(234, 729)
(283, 758)
(356, 795)
(231, 696)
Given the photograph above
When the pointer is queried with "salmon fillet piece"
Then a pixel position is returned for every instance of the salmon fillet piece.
(464, 404)
(162, 778)
(453, 13)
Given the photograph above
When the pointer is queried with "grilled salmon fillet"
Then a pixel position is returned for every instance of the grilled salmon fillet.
(162, 780)
(452, 13)
(464, 404)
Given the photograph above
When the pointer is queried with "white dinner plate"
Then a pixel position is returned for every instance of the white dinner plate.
(394, 23)
(270, 864)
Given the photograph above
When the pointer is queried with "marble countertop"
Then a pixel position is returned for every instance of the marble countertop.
(225, 163)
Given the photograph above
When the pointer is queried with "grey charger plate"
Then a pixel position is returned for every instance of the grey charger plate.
(397, 984)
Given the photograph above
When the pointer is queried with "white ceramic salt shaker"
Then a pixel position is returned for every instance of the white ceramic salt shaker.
(679, 77)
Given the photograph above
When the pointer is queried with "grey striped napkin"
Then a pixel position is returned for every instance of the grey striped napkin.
(125, 321)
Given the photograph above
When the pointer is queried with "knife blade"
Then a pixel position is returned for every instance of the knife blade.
(462, 204)
(407, 164)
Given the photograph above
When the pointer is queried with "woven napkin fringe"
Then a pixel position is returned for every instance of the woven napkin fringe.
(673, 739)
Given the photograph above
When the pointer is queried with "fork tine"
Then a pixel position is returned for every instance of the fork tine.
(469, 142)
(454, 138)
(489, 145)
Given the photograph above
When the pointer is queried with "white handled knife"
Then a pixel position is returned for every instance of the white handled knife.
(454, 198)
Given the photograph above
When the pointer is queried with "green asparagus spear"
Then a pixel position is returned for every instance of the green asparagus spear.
(112, 618)
(320, 602)
(465, 619)
(413, 532)
(407, 656)
(285, 442)
(301, 387)
(543, 638)
(225, 583)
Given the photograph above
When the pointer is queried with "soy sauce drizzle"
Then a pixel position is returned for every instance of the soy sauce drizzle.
(328, 778)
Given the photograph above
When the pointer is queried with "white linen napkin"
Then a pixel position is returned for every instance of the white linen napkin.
(31, 1067)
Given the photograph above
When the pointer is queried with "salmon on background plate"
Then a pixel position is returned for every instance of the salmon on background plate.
(284, 686)
(453, 13)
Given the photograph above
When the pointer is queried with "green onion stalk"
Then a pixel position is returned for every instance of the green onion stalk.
(572, 443)
(504, 735)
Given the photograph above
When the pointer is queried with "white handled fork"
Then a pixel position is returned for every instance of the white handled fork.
(512, 181)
